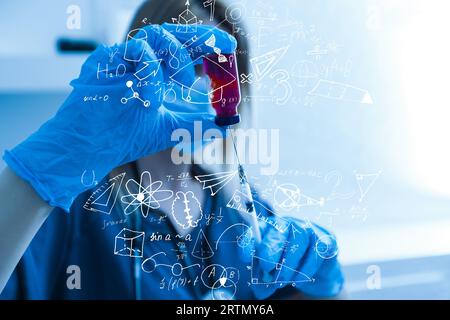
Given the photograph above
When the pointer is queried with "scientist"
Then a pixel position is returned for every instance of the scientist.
(61, 240)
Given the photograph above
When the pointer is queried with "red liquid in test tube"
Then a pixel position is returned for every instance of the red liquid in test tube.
(225, 98)
(225, 94)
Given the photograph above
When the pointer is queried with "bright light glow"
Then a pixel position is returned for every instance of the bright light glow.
(424, 50)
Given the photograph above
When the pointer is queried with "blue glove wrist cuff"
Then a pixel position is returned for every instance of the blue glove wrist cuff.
(20, 170)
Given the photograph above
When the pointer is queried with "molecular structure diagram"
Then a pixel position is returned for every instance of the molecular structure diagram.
(134, 95)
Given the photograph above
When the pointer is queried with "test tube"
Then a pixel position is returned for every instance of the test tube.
(225, 98)
(225, 95)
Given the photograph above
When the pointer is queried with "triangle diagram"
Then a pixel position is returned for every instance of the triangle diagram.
(263, 64)
(202, 248)
(211, 41)
(104, 198)
(365, 182)
(258, 276)
(237, 201)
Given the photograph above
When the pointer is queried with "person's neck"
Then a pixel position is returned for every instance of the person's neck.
(162, 168)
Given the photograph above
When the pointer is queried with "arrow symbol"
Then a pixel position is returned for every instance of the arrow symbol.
(150, 68)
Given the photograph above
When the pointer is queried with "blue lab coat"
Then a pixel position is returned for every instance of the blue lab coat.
(89, 240)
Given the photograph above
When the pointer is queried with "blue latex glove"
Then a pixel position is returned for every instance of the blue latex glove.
(103, 133)
(301, 253)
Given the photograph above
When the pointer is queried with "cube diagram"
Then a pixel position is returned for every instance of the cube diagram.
(129, 243)
(187, 22)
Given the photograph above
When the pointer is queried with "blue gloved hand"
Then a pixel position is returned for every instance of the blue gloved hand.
(109, 120)
(304, 256)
